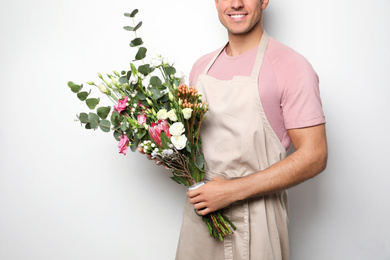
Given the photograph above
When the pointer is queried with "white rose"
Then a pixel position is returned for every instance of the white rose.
(172, 115)
(179, 141)
(157, 61)
(181, 76)
(162, 114)
(176, 129)
(187, 113)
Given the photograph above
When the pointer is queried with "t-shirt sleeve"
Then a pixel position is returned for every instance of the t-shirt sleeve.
(301, 102)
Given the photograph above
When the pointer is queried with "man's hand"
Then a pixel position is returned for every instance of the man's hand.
(212, 196)
(149, 156)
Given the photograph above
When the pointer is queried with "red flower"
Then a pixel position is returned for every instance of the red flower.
(141, 119)
(155, 131)
(123, 144)
(122, 104)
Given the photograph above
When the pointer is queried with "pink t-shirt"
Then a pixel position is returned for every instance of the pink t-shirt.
(288, 85)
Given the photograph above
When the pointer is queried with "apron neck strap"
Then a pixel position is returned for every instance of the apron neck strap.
(260, 55)
(259, 58)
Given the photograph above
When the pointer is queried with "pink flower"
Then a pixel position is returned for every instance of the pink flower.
(122, 104)
(156, 128)
(123, 144)
(141, 119)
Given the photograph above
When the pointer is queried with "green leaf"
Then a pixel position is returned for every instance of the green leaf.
(92, 102)
(137, 26)
(105, 126)
(155, 81)
(180, 180)
(124, 127)
(165, 140)
(83, 95)
(128, 28)
(115, 118)
(145, 69)
(88, 126)
(93, 120)
(141, 53)
(195, 172)
(141, 95)
(200, 161)
(123, 80)
(103, 112)
(165, 98)
(156, 93)
(136, 42)
(141, 134)
(75, 88)
(83, 117)
(170, 70)
(133, 13)
(116, 135)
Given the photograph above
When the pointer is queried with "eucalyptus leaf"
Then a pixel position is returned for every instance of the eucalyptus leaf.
(128, 28)
(200, 161)
(165, 98)
(105, 126)
(141, 53)
(116, 135)
(74, 87)
(93, 120)
(92, 102)
(141, 95)
(136, 42)
(145, 69)
(137, 26)
(115, 118)
(170, 70)
(83, 95)
(124, 127)
(103, 112)
(88, 126)
(133, 13)
(155, 81)
(141, 134)
(156, 93)
(83, 117)
(123, 80)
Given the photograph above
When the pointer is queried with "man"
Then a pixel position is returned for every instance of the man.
(262, 97)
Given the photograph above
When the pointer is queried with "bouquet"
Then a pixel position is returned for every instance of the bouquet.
(153, 109)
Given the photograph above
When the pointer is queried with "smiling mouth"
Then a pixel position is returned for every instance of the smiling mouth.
(236, 15)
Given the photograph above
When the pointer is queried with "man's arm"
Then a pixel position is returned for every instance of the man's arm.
(307, 161)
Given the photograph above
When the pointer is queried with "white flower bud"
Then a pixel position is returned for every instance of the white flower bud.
(187, 113)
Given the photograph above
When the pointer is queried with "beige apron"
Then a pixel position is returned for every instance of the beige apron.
(237, 140)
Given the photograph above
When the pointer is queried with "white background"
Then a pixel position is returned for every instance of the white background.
(66, 193)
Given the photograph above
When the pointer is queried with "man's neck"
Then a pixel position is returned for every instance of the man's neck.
(241, 43)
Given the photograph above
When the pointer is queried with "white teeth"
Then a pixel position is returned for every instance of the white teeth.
(237, 15)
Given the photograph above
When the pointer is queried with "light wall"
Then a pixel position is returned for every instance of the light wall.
(65, 192)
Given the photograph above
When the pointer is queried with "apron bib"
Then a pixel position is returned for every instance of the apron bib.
(237, 140)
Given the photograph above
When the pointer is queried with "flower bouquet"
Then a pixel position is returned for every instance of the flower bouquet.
(153, 109)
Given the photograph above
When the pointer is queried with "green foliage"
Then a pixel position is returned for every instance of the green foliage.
(165, 140)
(136, 42)
(145, 69)
(115, 119)
(92, 102)
(170, 70)
(74, 87)
(83, 95)
(141, 54)
(155, 81)
(105, 126)
(103, 112)
(93, 120)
